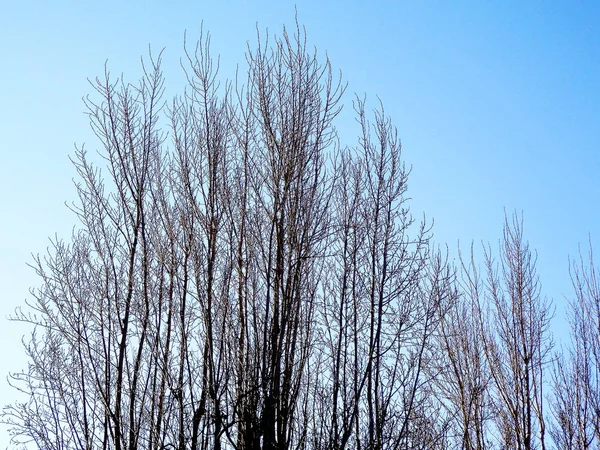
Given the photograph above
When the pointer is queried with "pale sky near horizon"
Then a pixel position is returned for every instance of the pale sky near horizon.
(497, 105)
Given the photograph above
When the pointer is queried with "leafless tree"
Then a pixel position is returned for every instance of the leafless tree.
(98, 313)
(239, 280)
(514, 324)
(497, 344)
(382, 303)
(464, 380)
(576, 375)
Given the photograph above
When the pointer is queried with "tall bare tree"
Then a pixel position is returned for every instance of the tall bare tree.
(514, 324)
(464, 380)
(238, 280)
(576, 375)
(382, 303)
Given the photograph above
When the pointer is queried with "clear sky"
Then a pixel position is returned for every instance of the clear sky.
(497, 105)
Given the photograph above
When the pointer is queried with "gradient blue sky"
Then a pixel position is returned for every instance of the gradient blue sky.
(497, 105)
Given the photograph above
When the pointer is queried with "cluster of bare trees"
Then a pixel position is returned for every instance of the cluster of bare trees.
(239, 279)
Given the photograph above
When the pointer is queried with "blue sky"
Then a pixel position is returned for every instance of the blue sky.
(497, 105)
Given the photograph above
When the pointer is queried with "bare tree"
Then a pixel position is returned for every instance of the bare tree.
(382, 303)
(464, 380)
(576, 375)
(514, 327)
(295, 100)
(239, 280)
(99, 308)
(497, 344)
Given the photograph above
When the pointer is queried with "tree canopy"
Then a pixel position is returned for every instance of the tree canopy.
(241, 278)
